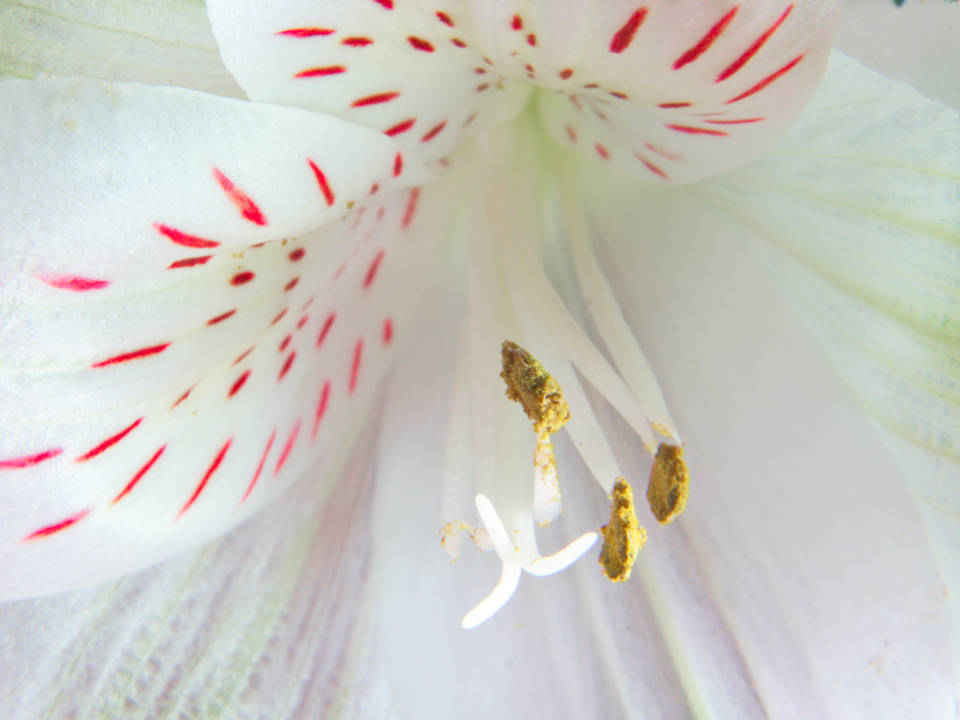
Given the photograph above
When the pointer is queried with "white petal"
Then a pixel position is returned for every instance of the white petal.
(163, 42)
(915, 43)
(408, 69)
(180, 342)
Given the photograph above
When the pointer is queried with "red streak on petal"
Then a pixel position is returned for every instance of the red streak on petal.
(576, 102)
(279, 316)
(286, 365)
(743, 121)
(387, 331)
(241, 278)
(571, 133)
(444, 18)
(287, 448)
(248, 209)
(766, 81)
(243, 355)
(411, 208)
(57, 527)
(397, 165)
(690, 130)
(601, 151)
(516, 22)
(133, 355)
(263, 460)
(221, 317)
(305, 32)
(434, 131)
(651, 167)
(139, 474)
(29, 460)
(357, 41)
(74, 282)
(327, 324)
(458, 42)
(664, 153)
(566, 74)
(322, 182)
(619, 95)
(285, 343)
(372, 270)
(291, 285)
(109, 442)
(355, 366)
(238, 383)
(321, 409)
(754, 48)
(420, 44)
(189, 262)
(297, 255)
(321, 71)
(302, 321)
(206, 478)
(673, 105)
(400, 127)
(375, 99)
(181, 238)
(388, 4)
(624, 36)
(706, 41)
(183, 397)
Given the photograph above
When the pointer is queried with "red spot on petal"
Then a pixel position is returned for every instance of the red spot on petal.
(601, 151)
(285, 343)
(321, 71)
(322, 182)
(624, 36)
(737, 64)
(305, 32)
(690, 130)
(434, 131)
(302, 321)
(388, 4)
(375, 99)
(221, 317)
(397, 165)
(206, 478)
(651, 167)
(183, 397)
(618, 95)
(182, 238)
(74, 282)
(279, 316)
(400, 127)
(321, 409)
(327, 324)
(670, 105)
(484, 86)
(291, 440)
(516, 23)
(532, 40)
(566, 73)
(420, 44)
(355, 365)
(706, 41)
(189, 262)
(109, 442)
(297, 255)
(287, 364)
(766, 81)
(372, 270)
(132, 355)
(238, 383)
(291, 285)
(387, 331)
(58, 526)
(29, 460)
(444, 18)
(411, 208)
(248, 209)
(138, 475)
(241, 278)
(263, 460)
(374, 188)
(458, 42)
(357, 41)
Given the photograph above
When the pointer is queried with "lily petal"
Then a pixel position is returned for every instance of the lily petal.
(158, 42)
(186, 312)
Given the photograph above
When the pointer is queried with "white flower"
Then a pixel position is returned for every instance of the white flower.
(199, 296)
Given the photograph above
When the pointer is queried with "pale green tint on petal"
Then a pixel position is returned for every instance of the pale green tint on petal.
(863, 195)
(915, 43)
(159, 42)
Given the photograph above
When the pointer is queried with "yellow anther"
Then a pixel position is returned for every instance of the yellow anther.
(623, 537)
(534, 388)
(669, 483)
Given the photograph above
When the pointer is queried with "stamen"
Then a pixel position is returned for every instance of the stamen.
(669, 483)
(623, 537)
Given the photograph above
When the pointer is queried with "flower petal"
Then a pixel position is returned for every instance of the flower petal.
(159, 42)
(407, 69)
(179, 337)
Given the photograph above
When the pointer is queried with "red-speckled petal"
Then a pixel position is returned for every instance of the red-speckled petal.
(188, 308)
